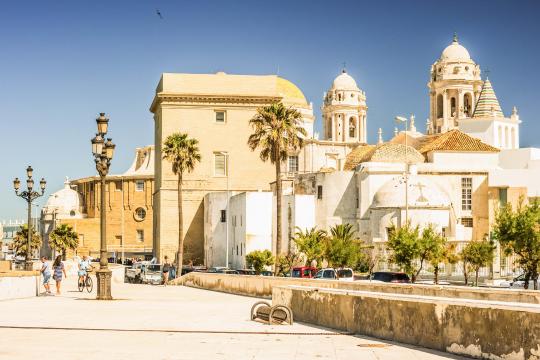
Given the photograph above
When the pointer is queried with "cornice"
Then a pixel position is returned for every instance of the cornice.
(211, 99)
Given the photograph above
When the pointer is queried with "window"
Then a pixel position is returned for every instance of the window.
(118, 240)
(140, 235)
(466, 193)
(72, 213)
(220, 165)
(140, 214)
(293, 163)
(467, 222)
(118, 185)
(319, 192)
(503, 196)
(223, 216)
(139, 185)
(220, 117)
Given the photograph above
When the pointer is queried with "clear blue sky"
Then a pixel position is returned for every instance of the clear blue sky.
(63, 62)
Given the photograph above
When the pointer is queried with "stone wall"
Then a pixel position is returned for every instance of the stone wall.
(481, 329)
(261, 286)
(18, 284)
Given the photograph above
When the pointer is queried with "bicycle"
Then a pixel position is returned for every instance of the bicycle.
(86, 282)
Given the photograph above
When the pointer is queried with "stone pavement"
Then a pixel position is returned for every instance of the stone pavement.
(156, 322)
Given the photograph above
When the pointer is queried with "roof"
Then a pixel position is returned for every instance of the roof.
(453, 140)
(387, 152)
(487, 104)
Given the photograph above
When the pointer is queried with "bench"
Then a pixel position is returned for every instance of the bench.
(269, 314)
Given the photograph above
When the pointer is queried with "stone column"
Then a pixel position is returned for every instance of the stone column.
(445, 110)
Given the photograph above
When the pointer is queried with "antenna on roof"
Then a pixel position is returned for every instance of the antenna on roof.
(486, 72)
(344, 69)
(277, 73)
(455, 39)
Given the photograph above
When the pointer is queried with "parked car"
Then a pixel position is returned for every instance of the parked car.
(267, 273)
(216, 269)
(519, 282)
(144, 273)
(246, 272)
(303, 272)
(227, 271)
(390, 276)
(345, 274)
(326, 274)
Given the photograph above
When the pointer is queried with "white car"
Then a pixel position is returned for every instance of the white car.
(345, 274)
(326, 274)
(519, 282)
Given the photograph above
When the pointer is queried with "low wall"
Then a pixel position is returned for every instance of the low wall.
(18, 284)
(483, 329)
(261, 286)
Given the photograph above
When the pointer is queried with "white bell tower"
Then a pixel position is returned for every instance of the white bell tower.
(344, 111)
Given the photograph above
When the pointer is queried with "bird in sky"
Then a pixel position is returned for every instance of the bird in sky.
(159, 14)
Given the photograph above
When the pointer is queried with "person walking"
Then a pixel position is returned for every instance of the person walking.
(59, 269)
(166, 269)
(46, 272)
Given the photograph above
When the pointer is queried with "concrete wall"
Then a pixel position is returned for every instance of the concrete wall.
(261, 286)
(19, 284)
(480, 329)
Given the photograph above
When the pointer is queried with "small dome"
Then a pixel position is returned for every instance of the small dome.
(344, 81)
(455, 51)
(422, 193)
(64, 203)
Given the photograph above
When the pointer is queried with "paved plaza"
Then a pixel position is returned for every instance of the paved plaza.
(156, 322)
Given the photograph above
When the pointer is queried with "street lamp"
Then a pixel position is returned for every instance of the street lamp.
(29, 195)
(103, 152)
(402, 119)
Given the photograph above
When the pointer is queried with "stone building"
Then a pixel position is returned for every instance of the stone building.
(129, 210)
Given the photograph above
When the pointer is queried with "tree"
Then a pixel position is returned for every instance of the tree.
(259, 259)
(518, 232)
(443, 253)
(62, 238)
(183, 154)
(343, 248)
(286, 262)
(311, 244)
(20, 241)
(277, 130)
(478, 254)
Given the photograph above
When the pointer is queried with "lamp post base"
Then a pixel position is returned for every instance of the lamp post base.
(104, 284)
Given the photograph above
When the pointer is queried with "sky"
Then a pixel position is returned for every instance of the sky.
(63, 62)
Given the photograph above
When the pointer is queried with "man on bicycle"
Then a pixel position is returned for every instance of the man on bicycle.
(84, 267)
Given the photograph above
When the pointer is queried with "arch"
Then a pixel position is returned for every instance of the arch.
(513, 137)
(439, 106)
(500, 137)
(506, 142)
(352, 127)
(452, 106)
(467, 104)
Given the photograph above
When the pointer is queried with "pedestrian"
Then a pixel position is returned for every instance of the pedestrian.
(46, 272)
(59, 269)
(166, 269)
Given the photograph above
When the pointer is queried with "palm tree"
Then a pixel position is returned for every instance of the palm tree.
(20, 241)
(277, 130)
(311, 243)
(183, 154)
(62, 238)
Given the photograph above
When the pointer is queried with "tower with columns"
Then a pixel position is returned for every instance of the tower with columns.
(344, 112)
(454, 88)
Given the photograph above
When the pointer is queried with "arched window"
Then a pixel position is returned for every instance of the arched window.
(439, 106)
(453, 106)
(352, 127)
(513, 138)
(467, 104)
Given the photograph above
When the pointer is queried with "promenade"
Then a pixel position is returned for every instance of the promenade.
(174, 322)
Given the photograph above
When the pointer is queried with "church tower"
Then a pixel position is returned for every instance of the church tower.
(454, 88)
(344, 111)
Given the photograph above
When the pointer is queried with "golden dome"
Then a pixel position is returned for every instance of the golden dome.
(290, 92)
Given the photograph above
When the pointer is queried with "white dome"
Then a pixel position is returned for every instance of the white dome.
(344, 81)
(455, 51)
(422, 193)
(64, 203)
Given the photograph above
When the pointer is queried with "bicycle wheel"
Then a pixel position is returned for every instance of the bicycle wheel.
(89, 284)
(80, 284)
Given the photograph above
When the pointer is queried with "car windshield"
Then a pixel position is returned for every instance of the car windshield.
(345, 273)
(296, 273)
(319, 275)
(153, 268)
(329, 274)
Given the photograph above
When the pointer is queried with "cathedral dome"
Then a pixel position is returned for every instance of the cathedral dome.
(64, 203)
(344, 81)
(455, 51)
(422, 193)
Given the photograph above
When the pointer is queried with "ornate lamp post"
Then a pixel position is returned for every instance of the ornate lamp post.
(29, 195)
(103, 152)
